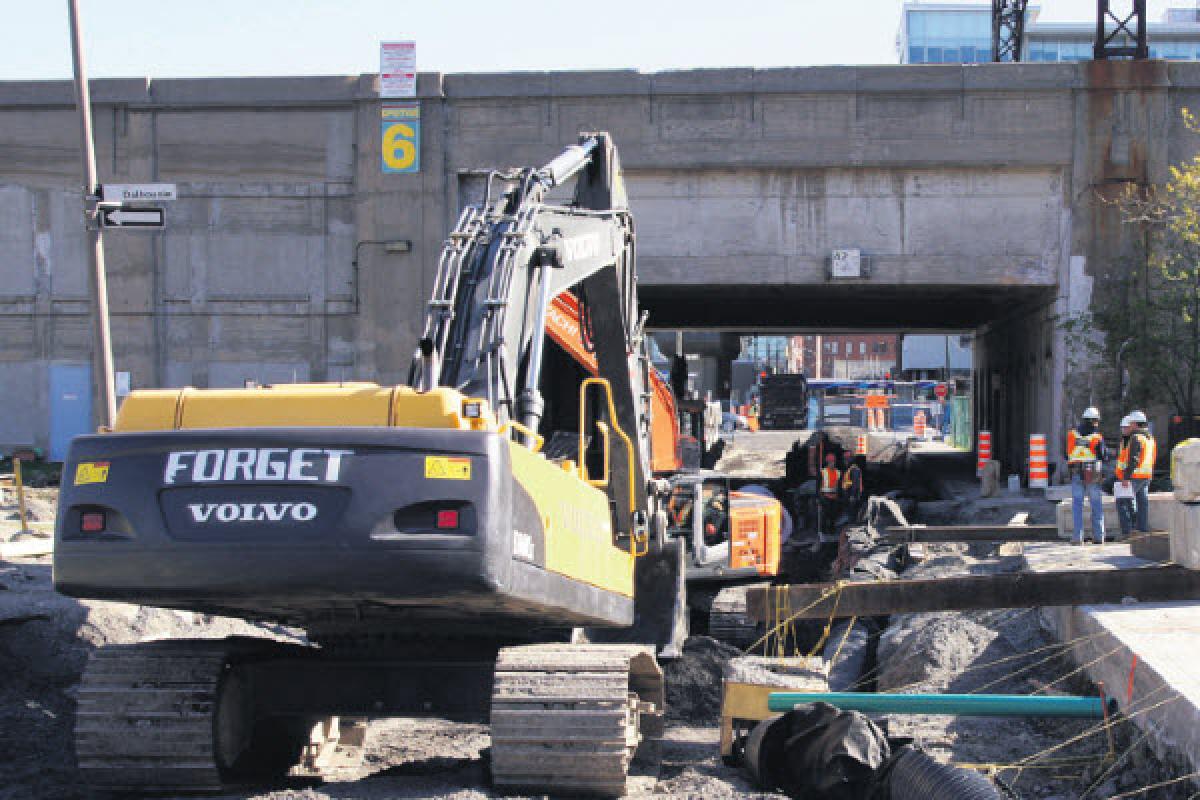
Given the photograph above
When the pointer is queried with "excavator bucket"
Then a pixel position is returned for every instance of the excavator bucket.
(660, 614)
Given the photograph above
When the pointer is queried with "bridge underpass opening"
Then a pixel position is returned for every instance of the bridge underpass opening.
(1016, 378)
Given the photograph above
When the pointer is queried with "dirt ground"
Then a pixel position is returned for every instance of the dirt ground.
(45, 639)
(1005, 652)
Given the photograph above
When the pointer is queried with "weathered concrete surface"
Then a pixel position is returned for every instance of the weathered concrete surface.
(969, 189)
(1164, 638)
(1162, 506)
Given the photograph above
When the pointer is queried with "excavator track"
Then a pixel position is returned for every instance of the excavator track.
(145, 717)
(573, 718)
(176, 716)
(730, 621)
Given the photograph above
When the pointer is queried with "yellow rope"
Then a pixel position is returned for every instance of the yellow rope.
(780, 625)
(845, 636)
(1080, 669)
(828, 624)
(1158, 785)
(1026, 654)
(1116, 763)
(1095, 729)
(1028, 667)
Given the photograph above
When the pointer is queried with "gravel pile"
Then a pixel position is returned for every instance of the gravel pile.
(694, 680)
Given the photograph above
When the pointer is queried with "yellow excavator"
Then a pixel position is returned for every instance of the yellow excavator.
(435, 559)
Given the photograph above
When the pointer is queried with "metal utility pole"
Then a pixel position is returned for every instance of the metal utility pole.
(1008, 29)
(102, 357)
(1131, 26)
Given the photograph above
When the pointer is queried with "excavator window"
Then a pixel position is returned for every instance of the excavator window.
(680, 507)
(716, 512)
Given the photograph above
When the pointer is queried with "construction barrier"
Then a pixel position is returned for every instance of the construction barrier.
(919, 425)
(860, 447)
(1039, 465)
(985, 451)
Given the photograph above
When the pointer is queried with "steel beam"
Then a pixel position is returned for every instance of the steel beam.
(1126, 38)
(1008, 29)
(973, 592)
(897, 534)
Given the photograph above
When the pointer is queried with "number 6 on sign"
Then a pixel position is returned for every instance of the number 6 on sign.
(401, 139)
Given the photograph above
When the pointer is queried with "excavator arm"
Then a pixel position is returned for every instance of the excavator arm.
(501, 268)
(507, 260)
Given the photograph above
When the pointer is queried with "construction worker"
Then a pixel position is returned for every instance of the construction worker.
(1143, 452)
(852, 485)
(716, 520)
(1123, 489)
(1086, 455)
(828, 493)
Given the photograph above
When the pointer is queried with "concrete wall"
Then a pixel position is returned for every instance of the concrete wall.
(969, 189)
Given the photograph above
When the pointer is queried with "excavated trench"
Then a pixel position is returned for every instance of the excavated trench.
(45, 637)
(997, 651)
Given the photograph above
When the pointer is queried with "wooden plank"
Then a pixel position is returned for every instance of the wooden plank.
(971, 533)
(975, 592)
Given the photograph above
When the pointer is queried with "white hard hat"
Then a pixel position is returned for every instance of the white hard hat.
(1137, 416)
(1091, 413)
(1126, 420)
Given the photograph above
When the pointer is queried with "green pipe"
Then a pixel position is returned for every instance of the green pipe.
(965, 705)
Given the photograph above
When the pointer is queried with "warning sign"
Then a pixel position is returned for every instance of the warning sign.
(447, 468)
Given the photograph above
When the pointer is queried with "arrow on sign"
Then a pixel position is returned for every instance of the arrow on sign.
(133, 218)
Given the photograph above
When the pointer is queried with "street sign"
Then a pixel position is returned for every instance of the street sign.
(940, 391)
(123, 217)
(137, 192)
(846, 264)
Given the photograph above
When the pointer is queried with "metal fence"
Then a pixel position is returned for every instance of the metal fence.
(961, 422)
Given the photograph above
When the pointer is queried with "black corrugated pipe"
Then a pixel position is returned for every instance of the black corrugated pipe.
(913, 775)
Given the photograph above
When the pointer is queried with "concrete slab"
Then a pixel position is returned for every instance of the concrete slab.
(1145, 654)
(1161, 509)
(1153, 546)
(26, 548)
(1185, 535)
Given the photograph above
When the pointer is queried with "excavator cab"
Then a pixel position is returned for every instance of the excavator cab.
(729, 535)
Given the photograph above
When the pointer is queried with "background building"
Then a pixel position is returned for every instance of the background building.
(961, 33)
(845, 355)
(932, 356)
(768, 351)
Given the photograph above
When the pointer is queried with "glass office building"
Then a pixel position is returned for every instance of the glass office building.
(945, 34)
(936, 33)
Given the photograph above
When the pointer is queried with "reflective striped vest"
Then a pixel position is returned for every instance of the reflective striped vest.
(1143, 470)
(1123, 458)
(829, 480)
(850, 478)
(1083, 449)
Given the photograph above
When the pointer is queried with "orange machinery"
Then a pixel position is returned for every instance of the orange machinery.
(562, 323)
(754, 523)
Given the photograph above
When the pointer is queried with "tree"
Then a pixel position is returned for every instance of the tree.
(1145, 315)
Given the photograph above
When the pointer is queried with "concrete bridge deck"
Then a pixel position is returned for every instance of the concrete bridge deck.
(972, 191)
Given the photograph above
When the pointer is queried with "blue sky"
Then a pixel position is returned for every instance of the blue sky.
(192, 38)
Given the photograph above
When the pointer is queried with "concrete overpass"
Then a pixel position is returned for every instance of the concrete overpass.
(972, 191)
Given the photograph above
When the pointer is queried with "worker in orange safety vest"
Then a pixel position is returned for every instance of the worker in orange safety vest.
(852, 486)
(828, 494)
(1139, 469)
(1123, 488)
(1086, 454)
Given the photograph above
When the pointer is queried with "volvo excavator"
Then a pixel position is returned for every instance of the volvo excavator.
(436, 559)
